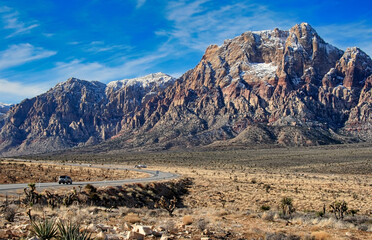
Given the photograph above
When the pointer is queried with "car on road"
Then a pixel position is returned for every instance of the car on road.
(64, 179)
(140, 166)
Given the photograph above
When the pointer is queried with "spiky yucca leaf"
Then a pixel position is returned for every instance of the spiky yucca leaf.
(44, 230)
(71, 231)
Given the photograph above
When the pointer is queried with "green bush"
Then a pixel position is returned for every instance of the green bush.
(265, 207)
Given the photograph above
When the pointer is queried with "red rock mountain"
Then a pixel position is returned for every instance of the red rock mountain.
(269, 87)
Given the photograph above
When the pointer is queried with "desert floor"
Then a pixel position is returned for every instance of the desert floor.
(237, 194)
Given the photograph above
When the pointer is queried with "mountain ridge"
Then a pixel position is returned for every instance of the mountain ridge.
(267, 87)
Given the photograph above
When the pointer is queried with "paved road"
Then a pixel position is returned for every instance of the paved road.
(154, 176)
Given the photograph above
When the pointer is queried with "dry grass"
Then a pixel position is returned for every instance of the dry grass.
(230, 188)
(28, 172)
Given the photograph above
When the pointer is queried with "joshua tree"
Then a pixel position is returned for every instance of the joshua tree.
(168, 205)
(339, 208)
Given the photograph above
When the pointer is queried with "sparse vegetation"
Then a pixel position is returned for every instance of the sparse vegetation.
(228, 198)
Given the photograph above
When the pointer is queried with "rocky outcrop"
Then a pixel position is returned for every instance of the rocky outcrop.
(268, 87)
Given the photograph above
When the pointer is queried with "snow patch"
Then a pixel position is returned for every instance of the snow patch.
(261, 70)
(157, 79)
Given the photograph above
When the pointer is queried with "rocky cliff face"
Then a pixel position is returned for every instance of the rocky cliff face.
(268, 87)
(76, 113)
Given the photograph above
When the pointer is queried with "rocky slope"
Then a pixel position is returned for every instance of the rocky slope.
(4, 108)
(268, 87)
(76, 112)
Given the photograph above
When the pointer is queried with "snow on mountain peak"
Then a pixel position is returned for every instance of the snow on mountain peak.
(158, 79)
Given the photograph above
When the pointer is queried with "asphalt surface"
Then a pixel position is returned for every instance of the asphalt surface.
(154, 176)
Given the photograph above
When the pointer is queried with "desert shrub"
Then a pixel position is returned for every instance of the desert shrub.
(9, 213)
(71, 231)
(202, 224)
(319, 214)
(265, 207)
(339, 208)
(46, 229)
(89, 188)
(267, 187)
(352, 212)
(286, 204)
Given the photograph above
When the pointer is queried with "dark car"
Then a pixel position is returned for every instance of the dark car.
(64, 180)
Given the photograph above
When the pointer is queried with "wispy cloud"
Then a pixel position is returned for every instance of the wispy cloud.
(197, 24)
(100, 46)
(22, 53)
(11, 21)
(140, 3)
(348, 35)
(13, 89)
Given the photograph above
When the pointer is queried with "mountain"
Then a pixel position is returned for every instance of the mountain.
(76, 113)
(4, 108)
(287, 88)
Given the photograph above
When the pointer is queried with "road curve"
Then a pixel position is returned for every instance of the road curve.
(154, 176)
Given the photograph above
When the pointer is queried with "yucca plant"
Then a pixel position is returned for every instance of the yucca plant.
(45, 230)
(71, 231)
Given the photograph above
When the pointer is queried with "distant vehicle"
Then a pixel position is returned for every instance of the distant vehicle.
(140, 166)
(64, 180)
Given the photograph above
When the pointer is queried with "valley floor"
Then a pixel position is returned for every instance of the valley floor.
(238, 194)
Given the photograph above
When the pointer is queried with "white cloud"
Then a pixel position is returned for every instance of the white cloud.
(196, 25)
(11, 20)
(22, 53)
(18, 89)
(97, 71)
(100, 46)
(140, 3)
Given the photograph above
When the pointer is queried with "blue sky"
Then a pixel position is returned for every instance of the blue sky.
(45, 42)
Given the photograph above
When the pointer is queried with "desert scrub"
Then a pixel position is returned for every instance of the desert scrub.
(286, 204)
(9, 213)
(265, 207)
(71, 231)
